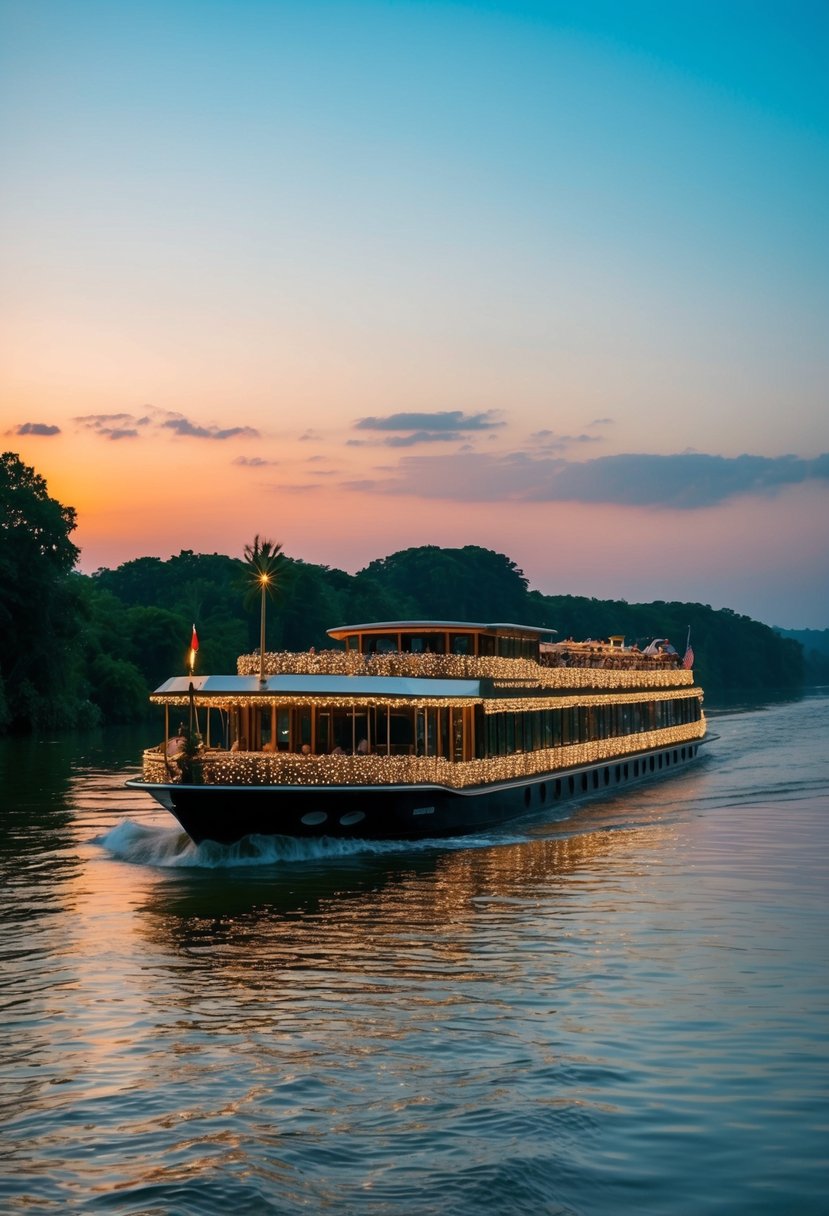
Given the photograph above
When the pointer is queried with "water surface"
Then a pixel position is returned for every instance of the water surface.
(622, 1012)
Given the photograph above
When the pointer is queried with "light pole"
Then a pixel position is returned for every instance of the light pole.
(264, 579)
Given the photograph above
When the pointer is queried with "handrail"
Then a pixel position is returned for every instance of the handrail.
(215, 767)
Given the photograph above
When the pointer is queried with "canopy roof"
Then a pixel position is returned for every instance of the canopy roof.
(316, 686)
(497, 630)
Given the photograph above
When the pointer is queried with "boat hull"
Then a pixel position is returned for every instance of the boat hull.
(227, 813)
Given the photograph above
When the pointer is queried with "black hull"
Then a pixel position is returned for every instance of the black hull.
(226, 814)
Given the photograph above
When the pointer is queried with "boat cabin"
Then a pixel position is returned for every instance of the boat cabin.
(442, 637)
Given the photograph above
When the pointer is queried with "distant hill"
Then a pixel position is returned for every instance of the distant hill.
(815, 644)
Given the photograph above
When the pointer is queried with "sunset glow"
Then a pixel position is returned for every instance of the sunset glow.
(358, 277)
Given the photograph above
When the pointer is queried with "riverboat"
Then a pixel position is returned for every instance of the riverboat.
(417, 729)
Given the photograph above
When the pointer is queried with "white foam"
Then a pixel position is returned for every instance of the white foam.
(169, 847)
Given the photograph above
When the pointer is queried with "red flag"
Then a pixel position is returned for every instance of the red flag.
(688, 661)
(194, 645)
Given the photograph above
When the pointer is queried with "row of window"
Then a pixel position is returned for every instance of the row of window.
(508, 733)
(444, 642)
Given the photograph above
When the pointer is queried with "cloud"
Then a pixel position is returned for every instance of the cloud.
(113, 426)
(442, 424)
(687, 481)
(127, 426)
(192, 430)
(35, 428)
(408, 441)
(550, 441)
(254, 462)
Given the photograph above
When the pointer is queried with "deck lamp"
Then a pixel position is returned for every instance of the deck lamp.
(264, 579)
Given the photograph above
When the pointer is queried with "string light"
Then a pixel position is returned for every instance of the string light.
(496, 705)
(507, 673)
(264, 768)
(593, 677)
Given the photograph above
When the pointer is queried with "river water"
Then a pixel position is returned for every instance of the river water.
(623, 1012)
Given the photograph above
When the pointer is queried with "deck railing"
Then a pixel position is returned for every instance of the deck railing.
(213, 767)
(598, 669)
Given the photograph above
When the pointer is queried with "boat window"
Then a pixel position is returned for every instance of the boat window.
(423, 643)
(400, 728)
(462, 643)
(443, 732)
(379, 643)
(457, 734)
(325, 734)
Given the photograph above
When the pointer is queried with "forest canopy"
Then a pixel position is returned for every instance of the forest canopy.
(77, 650)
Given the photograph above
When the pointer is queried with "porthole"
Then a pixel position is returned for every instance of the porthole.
(351, 818)
(313, 818)
(527, 796)
(542, 792)
(607, 776)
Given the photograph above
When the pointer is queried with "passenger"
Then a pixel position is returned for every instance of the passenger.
(363, 748)
(178, 742)
(305, 750)
(337, 751)
(239, 745)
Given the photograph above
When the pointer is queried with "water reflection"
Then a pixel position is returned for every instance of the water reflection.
(552, 1018)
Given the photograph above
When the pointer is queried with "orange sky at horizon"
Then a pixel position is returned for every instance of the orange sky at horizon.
(427, 274)
(128, 509)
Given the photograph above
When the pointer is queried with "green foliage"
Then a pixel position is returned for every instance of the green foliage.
(468, 584)
(76, 649)
(120, 691)
(815, 643)
(38, 620)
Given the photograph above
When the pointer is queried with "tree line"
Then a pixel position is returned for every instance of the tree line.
(77, 650)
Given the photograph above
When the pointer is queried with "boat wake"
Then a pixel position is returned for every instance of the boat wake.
(170, 848)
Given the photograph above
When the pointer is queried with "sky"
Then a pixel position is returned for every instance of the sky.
(549, 278)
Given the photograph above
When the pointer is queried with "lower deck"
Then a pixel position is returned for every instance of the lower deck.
(228, 813)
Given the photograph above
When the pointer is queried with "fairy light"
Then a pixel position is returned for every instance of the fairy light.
(506, 673)
(590, 676)
(497, 705)
(263, 768)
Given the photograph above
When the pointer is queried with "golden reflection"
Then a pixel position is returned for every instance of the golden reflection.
(326, 929)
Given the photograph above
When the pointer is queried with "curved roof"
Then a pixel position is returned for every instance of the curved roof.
(529, 631)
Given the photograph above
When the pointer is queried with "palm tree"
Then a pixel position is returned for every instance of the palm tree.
(264, 560)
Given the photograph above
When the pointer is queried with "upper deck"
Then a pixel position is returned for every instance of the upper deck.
(497, 656)
(442, 637)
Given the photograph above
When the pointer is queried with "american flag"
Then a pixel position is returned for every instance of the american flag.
(688, 660)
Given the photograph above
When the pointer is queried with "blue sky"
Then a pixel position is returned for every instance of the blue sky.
(533, 276)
